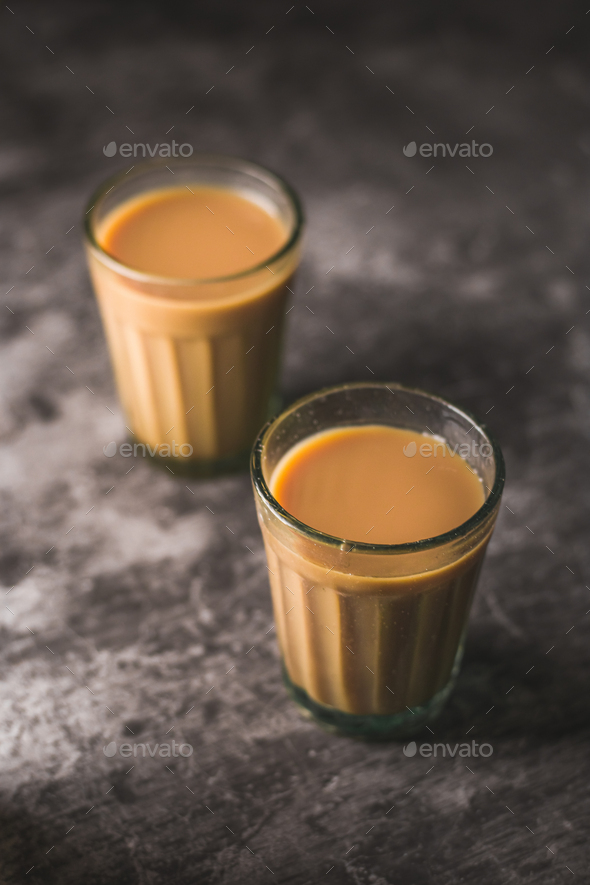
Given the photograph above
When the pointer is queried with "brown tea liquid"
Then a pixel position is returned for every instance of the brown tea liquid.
(372, 484)
(197, 234)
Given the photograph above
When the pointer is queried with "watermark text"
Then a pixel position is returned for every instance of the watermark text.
(164, 750)
(442, 449)
(161, 450)
(465, 149)
(463, 750)
(141, 149)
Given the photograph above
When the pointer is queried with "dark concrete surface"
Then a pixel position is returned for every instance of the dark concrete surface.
(132, 609)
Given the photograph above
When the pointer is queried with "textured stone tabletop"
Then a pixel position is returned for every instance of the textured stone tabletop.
(135, 605)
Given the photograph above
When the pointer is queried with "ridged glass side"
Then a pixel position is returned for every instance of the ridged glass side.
(369, 651)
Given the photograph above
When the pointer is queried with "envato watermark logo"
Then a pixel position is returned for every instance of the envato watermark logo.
(139, 149)
(161, 450)
(164, 750)
(463, 750)
(446, 150)
(440, 448)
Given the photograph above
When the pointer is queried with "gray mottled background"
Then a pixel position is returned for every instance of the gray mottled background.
(129, 602)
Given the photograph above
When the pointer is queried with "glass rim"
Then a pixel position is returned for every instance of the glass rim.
(230, 162)
(333, 541)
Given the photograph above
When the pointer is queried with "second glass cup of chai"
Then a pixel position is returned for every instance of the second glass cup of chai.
(376, 504)
(192, 262)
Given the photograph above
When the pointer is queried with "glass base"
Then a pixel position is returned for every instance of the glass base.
(396, 726)
(205, 468)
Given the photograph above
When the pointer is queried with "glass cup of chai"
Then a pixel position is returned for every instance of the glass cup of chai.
(376, 504)
(191, 262)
